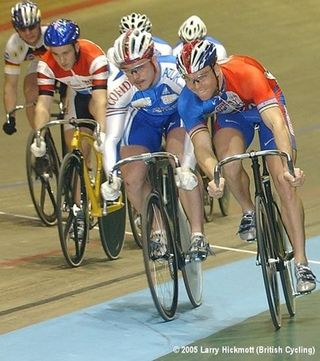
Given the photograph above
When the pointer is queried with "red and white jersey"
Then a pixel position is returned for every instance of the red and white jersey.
(88, 73)
(17, 51)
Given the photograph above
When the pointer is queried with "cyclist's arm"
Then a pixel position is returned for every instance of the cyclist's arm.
(273, 119)
(204, 152)
(98, 106)
(42, 111)
(10, 89)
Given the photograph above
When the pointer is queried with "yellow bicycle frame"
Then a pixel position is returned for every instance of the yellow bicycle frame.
(98, 208)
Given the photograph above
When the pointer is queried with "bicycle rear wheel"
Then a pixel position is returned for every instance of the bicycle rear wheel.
(135, 223)
(162, 272)
(72, 210)
(286, 264)
(112, 229)
(268, 260)
(192, 271)
(42, 175)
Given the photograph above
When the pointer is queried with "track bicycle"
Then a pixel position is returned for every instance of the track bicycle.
(274, 251)
(163, 212)
(42, 173)
(78, 194)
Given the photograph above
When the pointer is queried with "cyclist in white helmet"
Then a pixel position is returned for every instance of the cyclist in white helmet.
(26, 44)
(143, 23)
(194, 28)
(142, 108)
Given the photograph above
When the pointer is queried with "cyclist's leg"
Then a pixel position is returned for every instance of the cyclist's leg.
(191, 200)
(134, 176)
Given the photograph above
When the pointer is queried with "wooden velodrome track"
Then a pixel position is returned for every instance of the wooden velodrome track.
(35, 283)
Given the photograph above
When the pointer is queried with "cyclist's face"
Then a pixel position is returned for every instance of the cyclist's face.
(141, 73)
(65, 56)
(30, 35)
(203, 83)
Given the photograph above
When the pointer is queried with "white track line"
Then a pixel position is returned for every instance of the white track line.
(130, 233)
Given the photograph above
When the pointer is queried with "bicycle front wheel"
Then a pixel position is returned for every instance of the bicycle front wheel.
(268, 259)
(72, 210)
(161, 271)
(191, 271)
(112, 229)
(286, 264)
(224, 201)
(42, 175)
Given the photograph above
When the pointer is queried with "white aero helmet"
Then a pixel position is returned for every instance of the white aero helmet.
(195, 56)
(25, 14)
(135, 21)
(133, 45)
(192, 29)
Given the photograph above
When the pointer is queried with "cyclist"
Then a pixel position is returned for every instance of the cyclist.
(194, 28)
(142, 107)
(83, 67)
(78, 63)
(242, 93)
(26, 44)
(143, 23)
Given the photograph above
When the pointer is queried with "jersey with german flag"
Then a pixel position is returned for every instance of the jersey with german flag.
(89, 72)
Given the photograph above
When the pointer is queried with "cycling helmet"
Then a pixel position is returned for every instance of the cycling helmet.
(192, 29)
(61, 32)
(132, 46)
(135, 21)
(25, 14)
(195, 56)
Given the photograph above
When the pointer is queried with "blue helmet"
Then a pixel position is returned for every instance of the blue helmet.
(195, 56)
(61, 32)
(25, 14)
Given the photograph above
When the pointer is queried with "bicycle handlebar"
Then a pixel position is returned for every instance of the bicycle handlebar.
(147, 157)
(253, 154)
(75, 122)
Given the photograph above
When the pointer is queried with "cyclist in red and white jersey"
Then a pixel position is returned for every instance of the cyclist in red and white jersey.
(25, 45)
(242, 93)
(82, 66)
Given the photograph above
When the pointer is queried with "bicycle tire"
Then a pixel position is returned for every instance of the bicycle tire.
(135, 228)
(208, 201)
(224, 202)
(191, 271)
(42, 175)
(71, 198)
(112, 229)
(286, 265)
(268, 260)
(162, 273)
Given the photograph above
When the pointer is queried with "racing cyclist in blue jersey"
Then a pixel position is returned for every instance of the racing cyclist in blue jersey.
(142, 23)
(242, 93)
(142, 108)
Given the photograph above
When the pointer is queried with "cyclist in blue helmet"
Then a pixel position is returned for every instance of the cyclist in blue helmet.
(83, 67)
(24, 46)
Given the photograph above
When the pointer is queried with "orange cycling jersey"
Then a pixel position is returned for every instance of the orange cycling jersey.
(88, 73)
(251, 84)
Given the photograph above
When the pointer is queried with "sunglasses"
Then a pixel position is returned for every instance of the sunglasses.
(136, 69)
(30, 28)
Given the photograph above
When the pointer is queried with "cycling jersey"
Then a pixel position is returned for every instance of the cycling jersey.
(221, 51)
(139, 117)
(247, 89)
(17, 51)
(88, 73)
